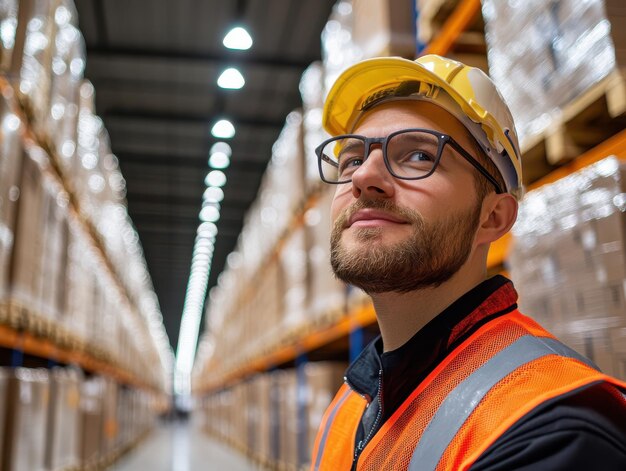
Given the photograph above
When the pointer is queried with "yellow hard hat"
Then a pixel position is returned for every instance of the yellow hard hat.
(469, 94)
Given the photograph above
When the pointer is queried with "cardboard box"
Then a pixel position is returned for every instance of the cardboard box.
(27, 259)
(286, 382)
(63, 433)
(31, 63)
(110, 422)
(91, 405)
(26, 420)
(384, 28)
(325, 292)
(322, 381)
(68, 66)
(4, 384)
(10, 169)
(8, 24)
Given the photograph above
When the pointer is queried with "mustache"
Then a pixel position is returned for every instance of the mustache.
(410, 215)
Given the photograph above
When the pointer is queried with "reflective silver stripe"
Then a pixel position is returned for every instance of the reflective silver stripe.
(329, 422)
(462, 400)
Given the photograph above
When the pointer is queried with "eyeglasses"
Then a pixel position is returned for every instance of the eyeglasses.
(409, 154)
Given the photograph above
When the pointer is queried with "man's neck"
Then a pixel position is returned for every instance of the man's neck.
(401, 316)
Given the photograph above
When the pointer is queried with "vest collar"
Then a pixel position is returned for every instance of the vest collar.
(404, 367)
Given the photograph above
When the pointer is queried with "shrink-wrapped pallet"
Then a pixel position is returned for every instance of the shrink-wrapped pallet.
(26, 420)
(326, 292)
(288, 413)
(8, 26)
(28, 245)
(321, 382)
(68, 64)
(32, 57)
(91, 408)
(11, 155)
(568, 261)
(362, 29)
(544, 54)
(4, 384)
(312, 92)
(294, 267)
(63, 433)
(110, 423)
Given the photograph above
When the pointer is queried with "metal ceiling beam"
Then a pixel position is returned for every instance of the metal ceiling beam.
(138, 53)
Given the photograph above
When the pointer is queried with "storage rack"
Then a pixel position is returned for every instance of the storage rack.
(26, 332)
(541, 167)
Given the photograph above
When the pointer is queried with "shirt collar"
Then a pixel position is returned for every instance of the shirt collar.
(413, 360)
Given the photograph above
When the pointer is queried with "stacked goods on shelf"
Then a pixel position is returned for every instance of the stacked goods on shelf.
(543, 55)
(72, 270)
(326, 294)
(4, 383)
(40, 238)
(62, 433)
(360, 29)
(55, 419)
(274, 416)
(245, 323)
(26, 418)
(10, 159)
(568, 261)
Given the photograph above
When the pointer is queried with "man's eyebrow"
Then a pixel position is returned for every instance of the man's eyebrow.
(351, 143)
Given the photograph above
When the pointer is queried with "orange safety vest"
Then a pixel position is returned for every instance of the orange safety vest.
(500, 373)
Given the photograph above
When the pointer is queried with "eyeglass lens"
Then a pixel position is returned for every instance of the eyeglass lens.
(410, 154)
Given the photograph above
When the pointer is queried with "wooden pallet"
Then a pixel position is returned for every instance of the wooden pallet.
(587, 121)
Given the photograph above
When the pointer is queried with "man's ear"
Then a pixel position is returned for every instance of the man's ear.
(498, 215)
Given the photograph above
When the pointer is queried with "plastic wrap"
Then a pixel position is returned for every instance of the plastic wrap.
(327, 293)
(543, 54)
(339, 51)
(312, 92)
(68, 64)
(36, 63)
(11, 152)
(25, 431)
(568, 261)
(8, 29)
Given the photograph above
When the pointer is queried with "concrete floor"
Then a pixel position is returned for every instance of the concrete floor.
(180, 446)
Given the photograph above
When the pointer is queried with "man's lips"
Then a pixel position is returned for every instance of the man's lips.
(373, 217)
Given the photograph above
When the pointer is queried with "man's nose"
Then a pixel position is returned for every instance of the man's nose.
(372, 178)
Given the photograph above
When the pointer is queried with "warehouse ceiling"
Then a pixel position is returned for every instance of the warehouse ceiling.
(154, 65)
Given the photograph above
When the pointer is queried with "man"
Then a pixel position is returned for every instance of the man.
(428, 173)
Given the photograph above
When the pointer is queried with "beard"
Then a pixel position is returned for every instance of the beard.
(428, 257)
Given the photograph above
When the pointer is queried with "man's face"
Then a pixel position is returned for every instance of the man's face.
(401, 235)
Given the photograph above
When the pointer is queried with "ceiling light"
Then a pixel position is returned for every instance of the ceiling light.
(213, 194)
(215, 178)
(223, 129)
(219, 160)
(231, 78)
(221, 147)
(238, 38)
(207, 228)
(210, 214)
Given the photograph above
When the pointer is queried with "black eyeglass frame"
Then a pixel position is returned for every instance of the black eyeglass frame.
(442, 140)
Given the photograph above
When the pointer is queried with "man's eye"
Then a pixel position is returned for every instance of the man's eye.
(350, 162)
(420, 156)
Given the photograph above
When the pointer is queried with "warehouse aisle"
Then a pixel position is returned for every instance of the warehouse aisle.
(181, 446)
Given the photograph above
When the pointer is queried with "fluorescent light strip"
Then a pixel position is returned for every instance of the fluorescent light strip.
(194, 303)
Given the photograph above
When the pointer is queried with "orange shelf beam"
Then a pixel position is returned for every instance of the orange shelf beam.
(459, 20)
(28, 343)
